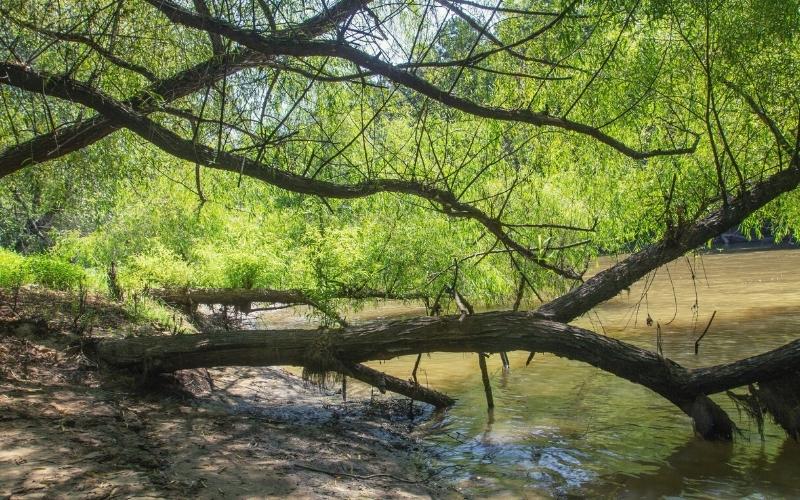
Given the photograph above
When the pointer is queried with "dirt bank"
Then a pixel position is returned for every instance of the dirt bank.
(68, 430)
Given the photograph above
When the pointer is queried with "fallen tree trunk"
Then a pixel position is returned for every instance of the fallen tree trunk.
(332, 350)
(243, 298)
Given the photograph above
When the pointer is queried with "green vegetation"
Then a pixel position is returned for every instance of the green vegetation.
(51, 272)
(12, 270)
(653, 75)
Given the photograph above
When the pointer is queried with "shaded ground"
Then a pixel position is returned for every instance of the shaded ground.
(67, 430)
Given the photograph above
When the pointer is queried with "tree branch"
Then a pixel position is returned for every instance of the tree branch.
(65, 140)
(124, 115)
(304, 48)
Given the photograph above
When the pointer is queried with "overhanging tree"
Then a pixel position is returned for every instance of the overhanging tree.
(454, 104)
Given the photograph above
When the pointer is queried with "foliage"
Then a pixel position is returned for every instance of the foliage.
(17, 270)
(13, 272)
(53, 273)
(651, 74)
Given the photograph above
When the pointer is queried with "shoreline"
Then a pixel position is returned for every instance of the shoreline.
(255, 432)
(70, 430)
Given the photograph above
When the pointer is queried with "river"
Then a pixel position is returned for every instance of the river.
(563, 428)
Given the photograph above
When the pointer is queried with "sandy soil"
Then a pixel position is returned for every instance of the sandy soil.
(70, 431)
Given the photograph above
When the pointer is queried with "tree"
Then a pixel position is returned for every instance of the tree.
(675, 119)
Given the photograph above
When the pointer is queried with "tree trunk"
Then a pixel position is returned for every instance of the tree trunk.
(487, 332)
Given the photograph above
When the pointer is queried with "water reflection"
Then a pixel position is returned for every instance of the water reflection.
(700, 468)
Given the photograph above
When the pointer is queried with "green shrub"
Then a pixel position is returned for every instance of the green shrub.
(160, 268)
(249, 271)
(53, 273)
(13, 272)
(242, 273)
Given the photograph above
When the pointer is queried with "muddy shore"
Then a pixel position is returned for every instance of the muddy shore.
(68, 430)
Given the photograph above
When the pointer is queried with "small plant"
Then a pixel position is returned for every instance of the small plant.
(81, 321)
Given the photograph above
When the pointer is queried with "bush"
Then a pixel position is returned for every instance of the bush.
(160, 268)
(54, 273)
(242, 272)
(13, 272)
(250, 271)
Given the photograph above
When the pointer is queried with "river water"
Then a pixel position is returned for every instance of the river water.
(563, 428)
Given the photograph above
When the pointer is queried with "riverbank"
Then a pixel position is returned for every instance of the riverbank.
(69, 430)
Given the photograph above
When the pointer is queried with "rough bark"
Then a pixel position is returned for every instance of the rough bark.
(486, 332)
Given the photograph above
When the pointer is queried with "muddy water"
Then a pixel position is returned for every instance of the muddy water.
(565, 428)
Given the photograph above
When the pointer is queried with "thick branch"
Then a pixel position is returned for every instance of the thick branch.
(52, 145)
(387, 382)
(486, 332)
(65, 140)
(608, 283)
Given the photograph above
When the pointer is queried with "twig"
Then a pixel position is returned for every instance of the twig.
(659, 340)
(697, 342)
(416, 367)
(487, 386)
(530, 358)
